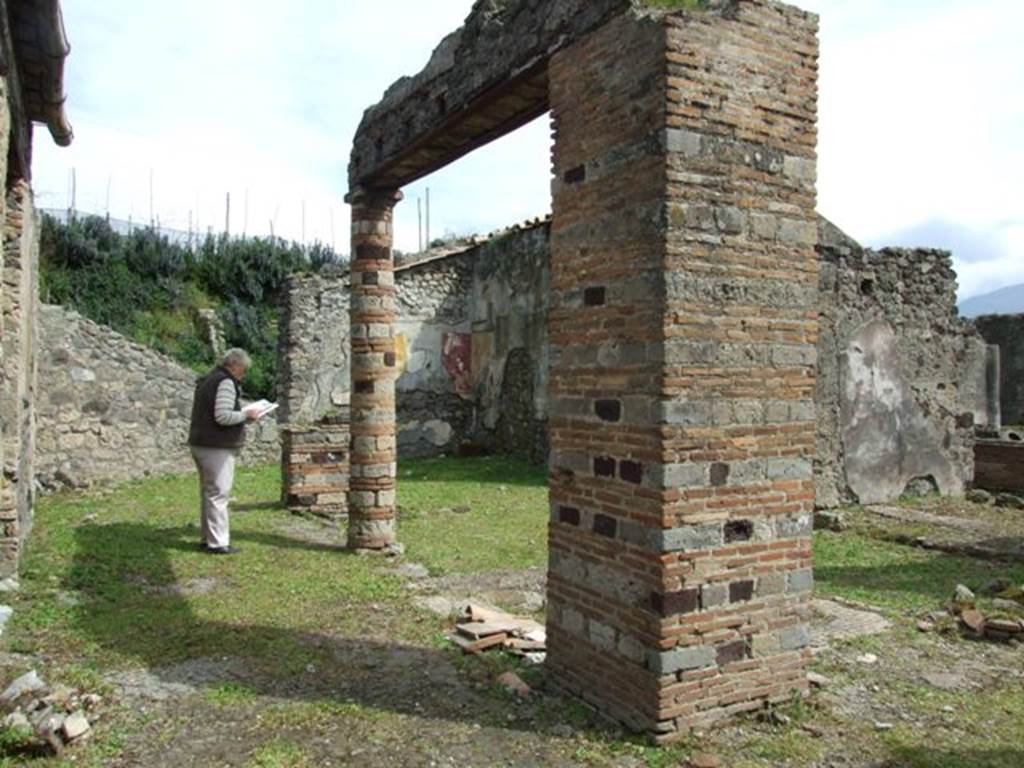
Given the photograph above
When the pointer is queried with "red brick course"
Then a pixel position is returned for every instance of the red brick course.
(683, 282)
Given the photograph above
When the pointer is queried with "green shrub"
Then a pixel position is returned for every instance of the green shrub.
(150, 289)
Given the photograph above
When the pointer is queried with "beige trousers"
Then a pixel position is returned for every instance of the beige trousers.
(216, 468)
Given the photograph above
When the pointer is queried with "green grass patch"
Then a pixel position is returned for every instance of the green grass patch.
(114, 579)
(229, 694)
(281, 754)
(906, 579)
(473, 515)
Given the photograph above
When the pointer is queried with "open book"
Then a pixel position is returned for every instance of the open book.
(261, 407)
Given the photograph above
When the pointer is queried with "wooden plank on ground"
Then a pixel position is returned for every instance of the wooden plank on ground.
(475, 646)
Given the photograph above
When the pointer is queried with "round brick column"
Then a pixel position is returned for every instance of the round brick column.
(371, 496)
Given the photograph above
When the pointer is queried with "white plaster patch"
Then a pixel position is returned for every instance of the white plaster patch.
(438, 432)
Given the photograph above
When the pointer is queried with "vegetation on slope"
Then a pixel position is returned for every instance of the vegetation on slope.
(151, 289)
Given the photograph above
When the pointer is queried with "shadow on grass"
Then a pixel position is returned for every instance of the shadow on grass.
(486, 470)
(926, 586)
(135, 610)
(906, 574)
(256, 506)
(929, 757)
(183, 539)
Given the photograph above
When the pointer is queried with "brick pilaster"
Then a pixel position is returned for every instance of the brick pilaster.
(683, 331)
(371, 495)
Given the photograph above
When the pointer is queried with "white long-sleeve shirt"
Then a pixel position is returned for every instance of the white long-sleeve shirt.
(224, 412)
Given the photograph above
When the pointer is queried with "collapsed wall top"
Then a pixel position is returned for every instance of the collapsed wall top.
(40, 48)
(484, 80)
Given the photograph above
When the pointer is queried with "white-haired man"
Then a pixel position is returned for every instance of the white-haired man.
(215, 436)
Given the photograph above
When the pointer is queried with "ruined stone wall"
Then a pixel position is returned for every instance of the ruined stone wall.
(313, 349)
(901, 377)
(111, 410)
(9, 528)
(473, 346)
(469, 324)
(31, 90)
(19, 291)
(434, 391)
(1007, 332)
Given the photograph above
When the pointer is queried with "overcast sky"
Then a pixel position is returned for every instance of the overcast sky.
(921, 121)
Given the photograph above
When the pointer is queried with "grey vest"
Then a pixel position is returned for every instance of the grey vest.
(204, 431)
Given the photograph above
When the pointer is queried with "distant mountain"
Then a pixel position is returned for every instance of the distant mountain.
(1005, 301)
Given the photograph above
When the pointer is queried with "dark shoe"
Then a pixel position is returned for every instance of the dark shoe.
(223, 550)
(202, 545)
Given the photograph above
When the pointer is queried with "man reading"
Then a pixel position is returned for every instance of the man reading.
(215, 437)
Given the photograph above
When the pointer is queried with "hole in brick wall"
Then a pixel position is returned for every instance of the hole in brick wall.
(739, 530)
(575, 175)
(867, 287)
(605, 526)
(364, 387)
(604, 466)
(389, 359)
(569, 515)
(372, 252)
(370, 278)
(631, 471)
(741, 591)
(594, 297)
(608, 410)
(719, 474)
(729, 653)
(675, 603)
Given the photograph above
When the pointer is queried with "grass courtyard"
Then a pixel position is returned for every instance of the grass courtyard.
(298, 653)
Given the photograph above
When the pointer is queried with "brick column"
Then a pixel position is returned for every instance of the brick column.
(371, 496)
(683, 328)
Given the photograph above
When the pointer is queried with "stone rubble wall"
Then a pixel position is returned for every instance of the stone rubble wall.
(20, 303)
(901, 382)
(111, 410)
(473, 346)
(1007, 332)
(313, 348)
(471, 341)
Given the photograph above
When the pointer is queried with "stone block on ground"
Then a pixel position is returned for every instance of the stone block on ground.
(30, 682)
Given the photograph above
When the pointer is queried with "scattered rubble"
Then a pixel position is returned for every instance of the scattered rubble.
(514, 684)
(978, 496)
(963, 594)
(482, 628)
(1005, 620)
(703, 760)
(818, 680)
(1009, 501)
(49, 717)
(830, 520)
